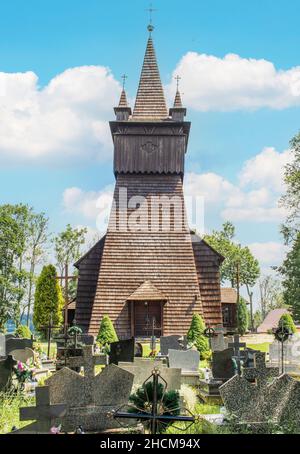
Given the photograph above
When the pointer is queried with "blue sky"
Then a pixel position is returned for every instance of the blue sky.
(40, 41)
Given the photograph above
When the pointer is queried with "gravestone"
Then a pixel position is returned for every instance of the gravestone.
(6, 371)
(138, 350)
(185, 360)
(2, 345)
(291, 353)
(89, 399)
(16, 343)
(269, 399)
(143, 369)
(44, 413)
(122, 350)
(223, 366)
(23, 355)
(173, 342)
(219, 343)
(86, 339)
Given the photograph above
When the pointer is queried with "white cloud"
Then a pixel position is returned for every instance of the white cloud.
(270, 253)
(65, 122)
(233, 83)
(255, 198)
(90, 204)
(266, 168)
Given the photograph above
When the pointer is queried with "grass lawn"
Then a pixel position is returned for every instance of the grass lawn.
(264, 347)
(9, 411)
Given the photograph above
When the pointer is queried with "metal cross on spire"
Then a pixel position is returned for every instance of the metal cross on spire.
(124, 77)
(177, 78)
(151, 11)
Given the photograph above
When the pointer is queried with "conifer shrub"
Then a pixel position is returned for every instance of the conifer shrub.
(286, 320)
(196, 336)
(107, 333)
(242, 317)
(23, 331)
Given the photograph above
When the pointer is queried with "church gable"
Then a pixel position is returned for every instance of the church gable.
(208, 262)
(88, 267)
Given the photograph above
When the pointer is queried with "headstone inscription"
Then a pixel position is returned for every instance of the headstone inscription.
(44, 413)
(122, 350)
(6, 371)
(173, 342)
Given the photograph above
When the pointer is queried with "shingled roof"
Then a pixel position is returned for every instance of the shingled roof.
(150, 101)
(147, 292)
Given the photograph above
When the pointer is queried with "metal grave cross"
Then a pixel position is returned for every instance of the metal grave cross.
(44, 413)
(260, 372)
(237, 345)
(155, 415)
(88, 361)
(49, 329)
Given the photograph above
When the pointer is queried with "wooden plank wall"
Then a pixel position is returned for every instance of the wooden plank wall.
(130, 258)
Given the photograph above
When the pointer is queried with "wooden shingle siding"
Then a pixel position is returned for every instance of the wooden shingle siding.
(88, 267)
(208, 264)
(131, 258)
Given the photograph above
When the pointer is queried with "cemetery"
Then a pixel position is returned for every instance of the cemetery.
(150, 327)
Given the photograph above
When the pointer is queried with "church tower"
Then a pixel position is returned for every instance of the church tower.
(144, 272)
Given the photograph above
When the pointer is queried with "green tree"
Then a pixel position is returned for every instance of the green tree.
(67, 247)
(13, 276)
(271, 294)
(23, 331)
(107, 333)
(291, 199)
(240, 267)
(257, 319)
(48, 299)
(196, 336)
(286, 321)
(242, 317)
(290, 271)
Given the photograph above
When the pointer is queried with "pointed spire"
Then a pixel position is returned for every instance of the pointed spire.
(123, 99)
(177, 100)
(150, 101)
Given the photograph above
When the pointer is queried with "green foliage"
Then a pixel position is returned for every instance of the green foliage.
(257, 319)
(10, 403)
(286, 321)
(196, 336)
(107, 333)
(23, 331)
(143, 397)
(242, 317)
(290, 270)
(48, 299)
(67, 247)
(291, 199)
(223, 242)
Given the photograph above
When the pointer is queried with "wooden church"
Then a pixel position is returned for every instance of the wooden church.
(150, 274)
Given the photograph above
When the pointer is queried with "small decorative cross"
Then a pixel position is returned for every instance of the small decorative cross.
(124, 77)
(236, 345)
(260, 372)
(88, 361)
(151, 10)
(177, 78)
(44, 413)
(154, 415)
(49, 329)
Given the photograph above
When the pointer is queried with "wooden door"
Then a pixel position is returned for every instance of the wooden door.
(145, 314)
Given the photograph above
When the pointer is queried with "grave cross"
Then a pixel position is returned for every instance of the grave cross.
(153, 415)
(236, 345)
(260, 372)
(88, 361)
(44, 413)
(49, 329)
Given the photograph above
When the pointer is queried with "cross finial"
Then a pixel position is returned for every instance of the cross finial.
(151, 11)
(124, 77)
(177, 78)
